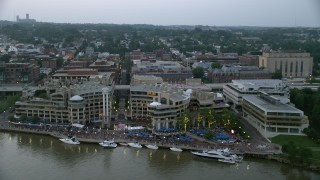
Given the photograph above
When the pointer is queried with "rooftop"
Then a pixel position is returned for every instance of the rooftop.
(271, 105)
(175, 94)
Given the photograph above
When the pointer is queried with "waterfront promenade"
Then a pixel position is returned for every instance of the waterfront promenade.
(97, 135)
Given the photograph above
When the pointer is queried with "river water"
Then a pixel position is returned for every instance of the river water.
(36, 157)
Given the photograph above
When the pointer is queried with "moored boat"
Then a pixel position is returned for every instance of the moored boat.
(123, 144)
(152, 146)
(108, 144)
(176, 149)
(218, 154)
(228, 160)
(73, 140)
(135, 145)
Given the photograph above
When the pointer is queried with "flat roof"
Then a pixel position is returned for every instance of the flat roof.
(175, 94)
(270, 107)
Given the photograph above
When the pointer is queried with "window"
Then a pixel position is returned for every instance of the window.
(301, 67)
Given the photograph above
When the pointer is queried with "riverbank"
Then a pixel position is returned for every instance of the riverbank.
(197, 144)
(98, 135)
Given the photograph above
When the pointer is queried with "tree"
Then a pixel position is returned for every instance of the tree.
(208, 135)
(184, 120)
(277, 75)
(11, 118)
(299, 100)
(5, 58)
(216, 65)
(198, 72)
(59, 62)
(200, 117)
(35, 120)
(211, 117)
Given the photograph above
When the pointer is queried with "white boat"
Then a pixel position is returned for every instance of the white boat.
(135, 145)
(218, 154)
(72, 140)
(175, 149)
(228, 160)
(108, 144)
(152, 146)
(123, 144)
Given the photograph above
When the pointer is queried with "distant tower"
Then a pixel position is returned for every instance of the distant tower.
(18, 19)
(27, 16)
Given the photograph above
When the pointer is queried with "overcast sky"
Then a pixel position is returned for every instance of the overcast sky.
(168, 12)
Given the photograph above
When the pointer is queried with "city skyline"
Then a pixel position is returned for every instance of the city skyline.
(285, 13)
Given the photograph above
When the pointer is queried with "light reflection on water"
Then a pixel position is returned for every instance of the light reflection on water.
(26, 156)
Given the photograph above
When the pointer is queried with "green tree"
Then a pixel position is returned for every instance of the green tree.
(5, 58)
(184, 120)
(198, 72)
(35, 120)
(299, 100)
(216, 65)
(201, 115)
(277, 75)
(211, 117)
(11, 118)
(208, 135)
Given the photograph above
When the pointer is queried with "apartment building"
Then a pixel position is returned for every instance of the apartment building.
(79, 103)
(21, 73)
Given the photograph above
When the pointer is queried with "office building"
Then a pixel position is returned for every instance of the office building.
(291, 64)
(271, 117)
(235, 90)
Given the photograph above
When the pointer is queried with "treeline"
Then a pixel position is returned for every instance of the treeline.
(296, 154)
(309, 102)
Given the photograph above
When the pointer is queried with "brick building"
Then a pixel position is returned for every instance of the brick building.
(21, 72)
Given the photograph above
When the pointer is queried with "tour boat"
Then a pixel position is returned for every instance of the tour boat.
(135, 145)
(108, 144)
(152, 146)
(175, 149)
(72, 140)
